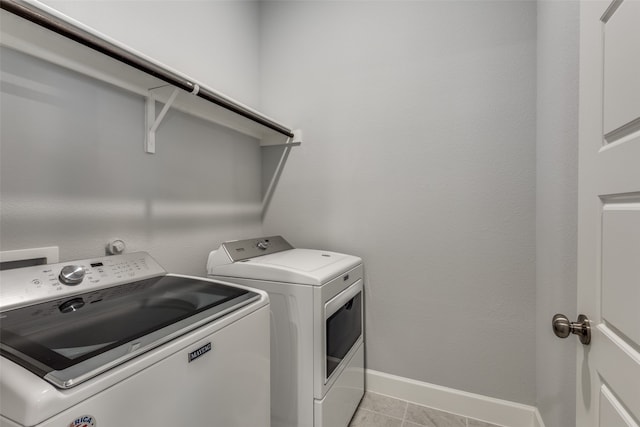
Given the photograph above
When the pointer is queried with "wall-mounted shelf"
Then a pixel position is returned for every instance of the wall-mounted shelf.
(40, 31)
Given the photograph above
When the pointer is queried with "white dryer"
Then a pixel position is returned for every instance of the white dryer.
(317, 344)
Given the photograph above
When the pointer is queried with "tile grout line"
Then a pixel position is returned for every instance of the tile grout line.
(387, 415)
(381, 413)
(404, 416)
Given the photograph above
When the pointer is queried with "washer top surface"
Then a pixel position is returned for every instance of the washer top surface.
(301, 266)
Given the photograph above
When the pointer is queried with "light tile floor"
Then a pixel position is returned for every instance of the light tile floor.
(377, 410)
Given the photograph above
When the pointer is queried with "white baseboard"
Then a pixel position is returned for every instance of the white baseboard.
(488, 409)
(538, 420)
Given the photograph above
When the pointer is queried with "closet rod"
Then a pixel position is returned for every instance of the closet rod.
(66, 29)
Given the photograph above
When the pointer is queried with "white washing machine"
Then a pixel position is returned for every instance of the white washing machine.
(317, 344)
(115, 341)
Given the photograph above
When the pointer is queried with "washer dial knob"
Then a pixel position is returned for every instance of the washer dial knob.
(72, 305)
(72, 274)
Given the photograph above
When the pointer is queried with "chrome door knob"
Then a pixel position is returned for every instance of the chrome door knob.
(562, 327)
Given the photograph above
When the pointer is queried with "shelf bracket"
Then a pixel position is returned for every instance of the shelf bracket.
(152, 121)
(275, 166)
(277, 140)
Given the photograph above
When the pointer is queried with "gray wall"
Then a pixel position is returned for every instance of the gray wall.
(556, 206)
(73, 171)
(214, 42)
(419, 156)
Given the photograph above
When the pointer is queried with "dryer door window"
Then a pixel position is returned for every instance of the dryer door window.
(343, 326)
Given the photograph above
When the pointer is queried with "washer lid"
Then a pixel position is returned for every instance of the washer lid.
(72, 339)
(303, 266)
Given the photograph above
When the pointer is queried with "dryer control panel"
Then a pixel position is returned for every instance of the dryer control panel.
(30, 285)
(239, 250)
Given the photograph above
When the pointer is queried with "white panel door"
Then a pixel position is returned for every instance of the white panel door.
(608, 370)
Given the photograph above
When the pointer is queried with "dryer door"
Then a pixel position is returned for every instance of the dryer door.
(343, 327)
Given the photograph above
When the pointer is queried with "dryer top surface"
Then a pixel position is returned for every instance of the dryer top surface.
(303, 266)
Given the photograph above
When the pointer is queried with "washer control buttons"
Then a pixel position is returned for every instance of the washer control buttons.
(72, 274)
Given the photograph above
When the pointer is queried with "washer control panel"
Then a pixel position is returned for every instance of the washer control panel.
(31, 285)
